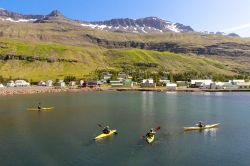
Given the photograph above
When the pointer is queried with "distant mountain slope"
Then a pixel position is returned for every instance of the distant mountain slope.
(6, 15)
(143, 25)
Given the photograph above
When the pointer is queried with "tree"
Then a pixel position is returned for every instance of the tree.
(156, 78)
(67, 79)
(171, 77)
(114, 76)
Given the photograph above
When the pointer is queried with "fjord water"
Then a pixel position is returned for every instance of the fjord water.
(65, 136)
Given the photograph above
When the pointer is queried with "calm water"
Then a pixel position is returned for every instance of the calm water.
(64, 137)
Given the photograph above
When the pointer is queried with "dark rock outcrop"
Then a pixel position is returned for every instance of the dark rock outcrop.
(143, 25)
(225, 49)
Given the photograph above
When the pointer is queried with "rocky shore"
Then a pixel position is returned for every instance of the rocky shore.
(37, 90)
(34, 90)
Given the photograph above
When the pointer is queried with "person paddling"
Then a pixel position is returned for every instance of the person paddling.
(39, 106)
(200, 124)
(106, 130)
(151, 133)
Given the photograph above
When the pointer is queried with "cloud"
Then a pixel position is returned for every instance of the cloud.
(237, 28)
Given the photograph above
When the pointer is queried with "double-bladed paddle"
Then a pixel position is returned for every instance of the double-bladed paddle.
(156, 129)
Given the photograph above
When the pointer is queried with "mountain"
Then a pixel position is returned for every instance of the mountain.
(6, 15)
(52, 46)
(143, 25)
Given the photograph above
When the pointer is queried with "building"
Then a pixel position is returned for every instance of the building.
(21, 83)
(148, 83)
(171, 87)
(228, 85)
(164, 81)
(116, 83)
(11, 84)
(236, 82)
(61, 83)
(128, 83)
(199, 83)
(81, 82)
(1, 85)
(49, 83)
(41, 83)
(72, 83)
(217, 85)
(182, 83)
(245, 85)
(122, 75)
(90, 84)
(107, 75)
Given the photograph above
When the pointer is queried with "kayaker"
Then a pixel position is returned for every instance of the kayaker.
(106, 130)
(200, 124)
(39, 106)
(151, 133)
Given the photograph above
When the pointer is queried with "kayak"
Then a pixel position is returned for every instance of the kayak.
(202, 128)
(106, 135)
(150, 139)
(42, 109)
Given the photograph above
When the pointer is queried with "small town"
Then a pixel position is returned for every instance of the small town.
(122, 82)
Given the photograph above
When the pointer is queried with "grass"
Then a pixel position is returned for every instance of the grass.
(69, 42)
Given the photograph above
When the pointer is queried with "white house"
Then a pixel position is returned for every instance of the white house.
(81, 82)
(148, 83)
(61, 83)
(11, 84)
(49, 83)
(1, 85)
(41, 83)
(164, 81)
(199, 83)
(21, 83)
(171, 87)
(72, 83)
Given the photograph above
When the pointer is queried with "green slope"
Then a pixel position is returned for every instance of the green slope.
(93, 58)
(69, 43)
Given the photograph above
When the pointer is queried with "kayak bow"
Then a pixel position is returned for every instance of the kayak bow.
(150, 139)
(201, 128)
(106, 135)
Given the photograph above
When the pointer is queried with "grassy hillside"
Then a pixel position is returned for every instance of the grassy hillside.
(56, 41)
(93, 58)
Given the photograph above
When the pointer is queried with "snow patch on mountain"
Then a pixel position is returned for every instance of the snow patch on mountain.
(19, 20)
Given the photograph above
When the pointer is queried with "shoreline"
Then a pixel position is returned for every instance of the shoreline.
(43, 90)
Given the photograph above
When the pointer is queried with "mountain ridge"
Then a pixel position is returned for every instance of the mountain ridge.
(142, 25)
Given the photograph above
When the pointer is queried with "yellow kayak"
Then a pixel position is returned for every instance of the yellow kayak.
(150, 139)
(42, 109)
(106, 135)
(201, 128)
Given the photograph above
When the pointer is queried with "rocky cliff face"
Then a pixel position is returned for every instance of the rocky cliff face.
(224, 49)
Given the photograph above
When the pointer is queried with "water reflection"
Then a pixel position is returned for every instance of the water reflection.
(210, 132)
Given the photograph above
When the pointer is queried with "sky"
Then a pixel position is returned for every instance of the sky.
(202, 15)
